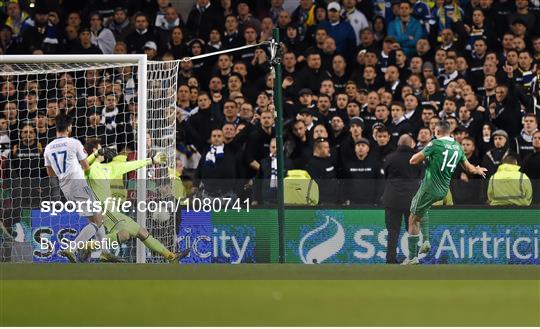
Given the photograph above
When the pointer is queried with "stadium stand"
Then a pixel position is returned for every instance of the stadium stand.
(357, 75)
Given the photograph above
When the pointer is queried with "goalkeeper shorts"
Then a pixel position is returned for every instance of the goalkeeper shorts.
(116, 222)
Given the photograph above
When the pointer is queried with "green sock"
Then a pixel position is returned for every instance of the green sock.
(424, 227)
(413, 245)
(156, 246)
(112, 237)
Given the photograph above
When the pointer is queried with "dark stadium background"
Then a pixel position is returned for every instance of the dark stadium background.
(366, 80)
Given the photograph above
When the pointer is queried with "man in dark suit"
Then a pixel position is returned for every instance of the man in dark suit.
(402, 181)
(204, 17)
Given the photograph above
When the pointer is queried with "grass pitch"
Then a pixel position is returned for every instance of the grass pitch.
(268, 295)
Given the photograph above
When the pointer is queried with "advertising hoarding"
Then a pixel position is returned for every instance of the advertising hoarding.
(230, 237)
(53, 229)
(458, 236)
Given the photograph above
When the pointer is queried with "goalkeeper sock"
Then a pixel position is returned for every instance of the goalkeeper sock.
(86, 233)
(413, 245)
(424, 227)
(153, 244)
(112, 237)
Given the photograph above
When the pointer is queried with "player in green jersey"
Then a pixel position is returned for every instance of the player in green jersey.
(119, 226)
(443, 155)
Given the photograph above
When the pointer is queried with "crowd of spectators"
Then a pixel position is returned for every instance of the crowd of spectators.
(357, 74)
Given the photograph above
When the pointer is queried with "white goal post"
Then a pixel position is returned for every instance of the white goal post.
(147, 73)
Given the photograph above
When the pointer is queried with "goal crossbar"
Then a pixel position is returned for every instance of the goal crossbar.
(26, 59)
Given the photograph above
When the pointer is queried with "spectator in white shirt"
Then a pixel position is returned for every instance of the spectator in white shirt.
(355, 17)
(101, 37)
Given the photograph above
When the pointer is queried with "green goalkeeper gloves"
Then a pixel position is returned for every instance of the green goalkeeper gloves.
(159, 158)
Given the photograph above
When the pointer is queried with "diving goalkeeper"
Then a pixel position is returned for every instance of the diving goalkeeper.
(119, 226)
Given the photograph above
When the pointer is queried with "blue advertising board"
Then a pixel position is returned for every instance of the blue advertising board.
(49, 231)
(472, 236)
(229, 237)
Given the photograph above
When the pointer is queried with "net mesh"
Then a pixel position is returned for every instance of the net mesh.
(102, 100)
(161, 130)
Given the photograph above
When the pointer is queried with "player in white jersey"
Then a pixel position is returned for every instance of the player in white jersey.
(65, 158)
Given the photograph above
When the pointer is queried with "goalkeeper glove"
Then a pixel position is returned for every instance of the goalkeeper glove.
(107, 153)
(159, 158)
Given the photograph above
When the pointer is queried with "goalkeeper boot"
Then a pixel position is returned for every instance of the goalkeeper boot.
(425, 248)
(176, 257)
(108, 257)
(413, 261)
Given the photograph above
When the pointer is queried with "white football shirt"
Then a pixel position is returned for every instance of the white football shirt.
(63, 155)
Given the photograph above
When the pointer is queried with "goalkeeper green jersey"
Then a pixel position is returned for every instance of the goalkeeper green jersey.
(444, 155)
(100, 175)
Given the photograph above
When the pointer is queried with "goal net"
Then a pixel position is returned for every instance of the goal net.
(124, 102)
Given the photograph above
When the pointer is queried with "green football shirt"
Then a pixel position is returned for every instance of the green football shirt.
(444, 155)
(100, 175)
